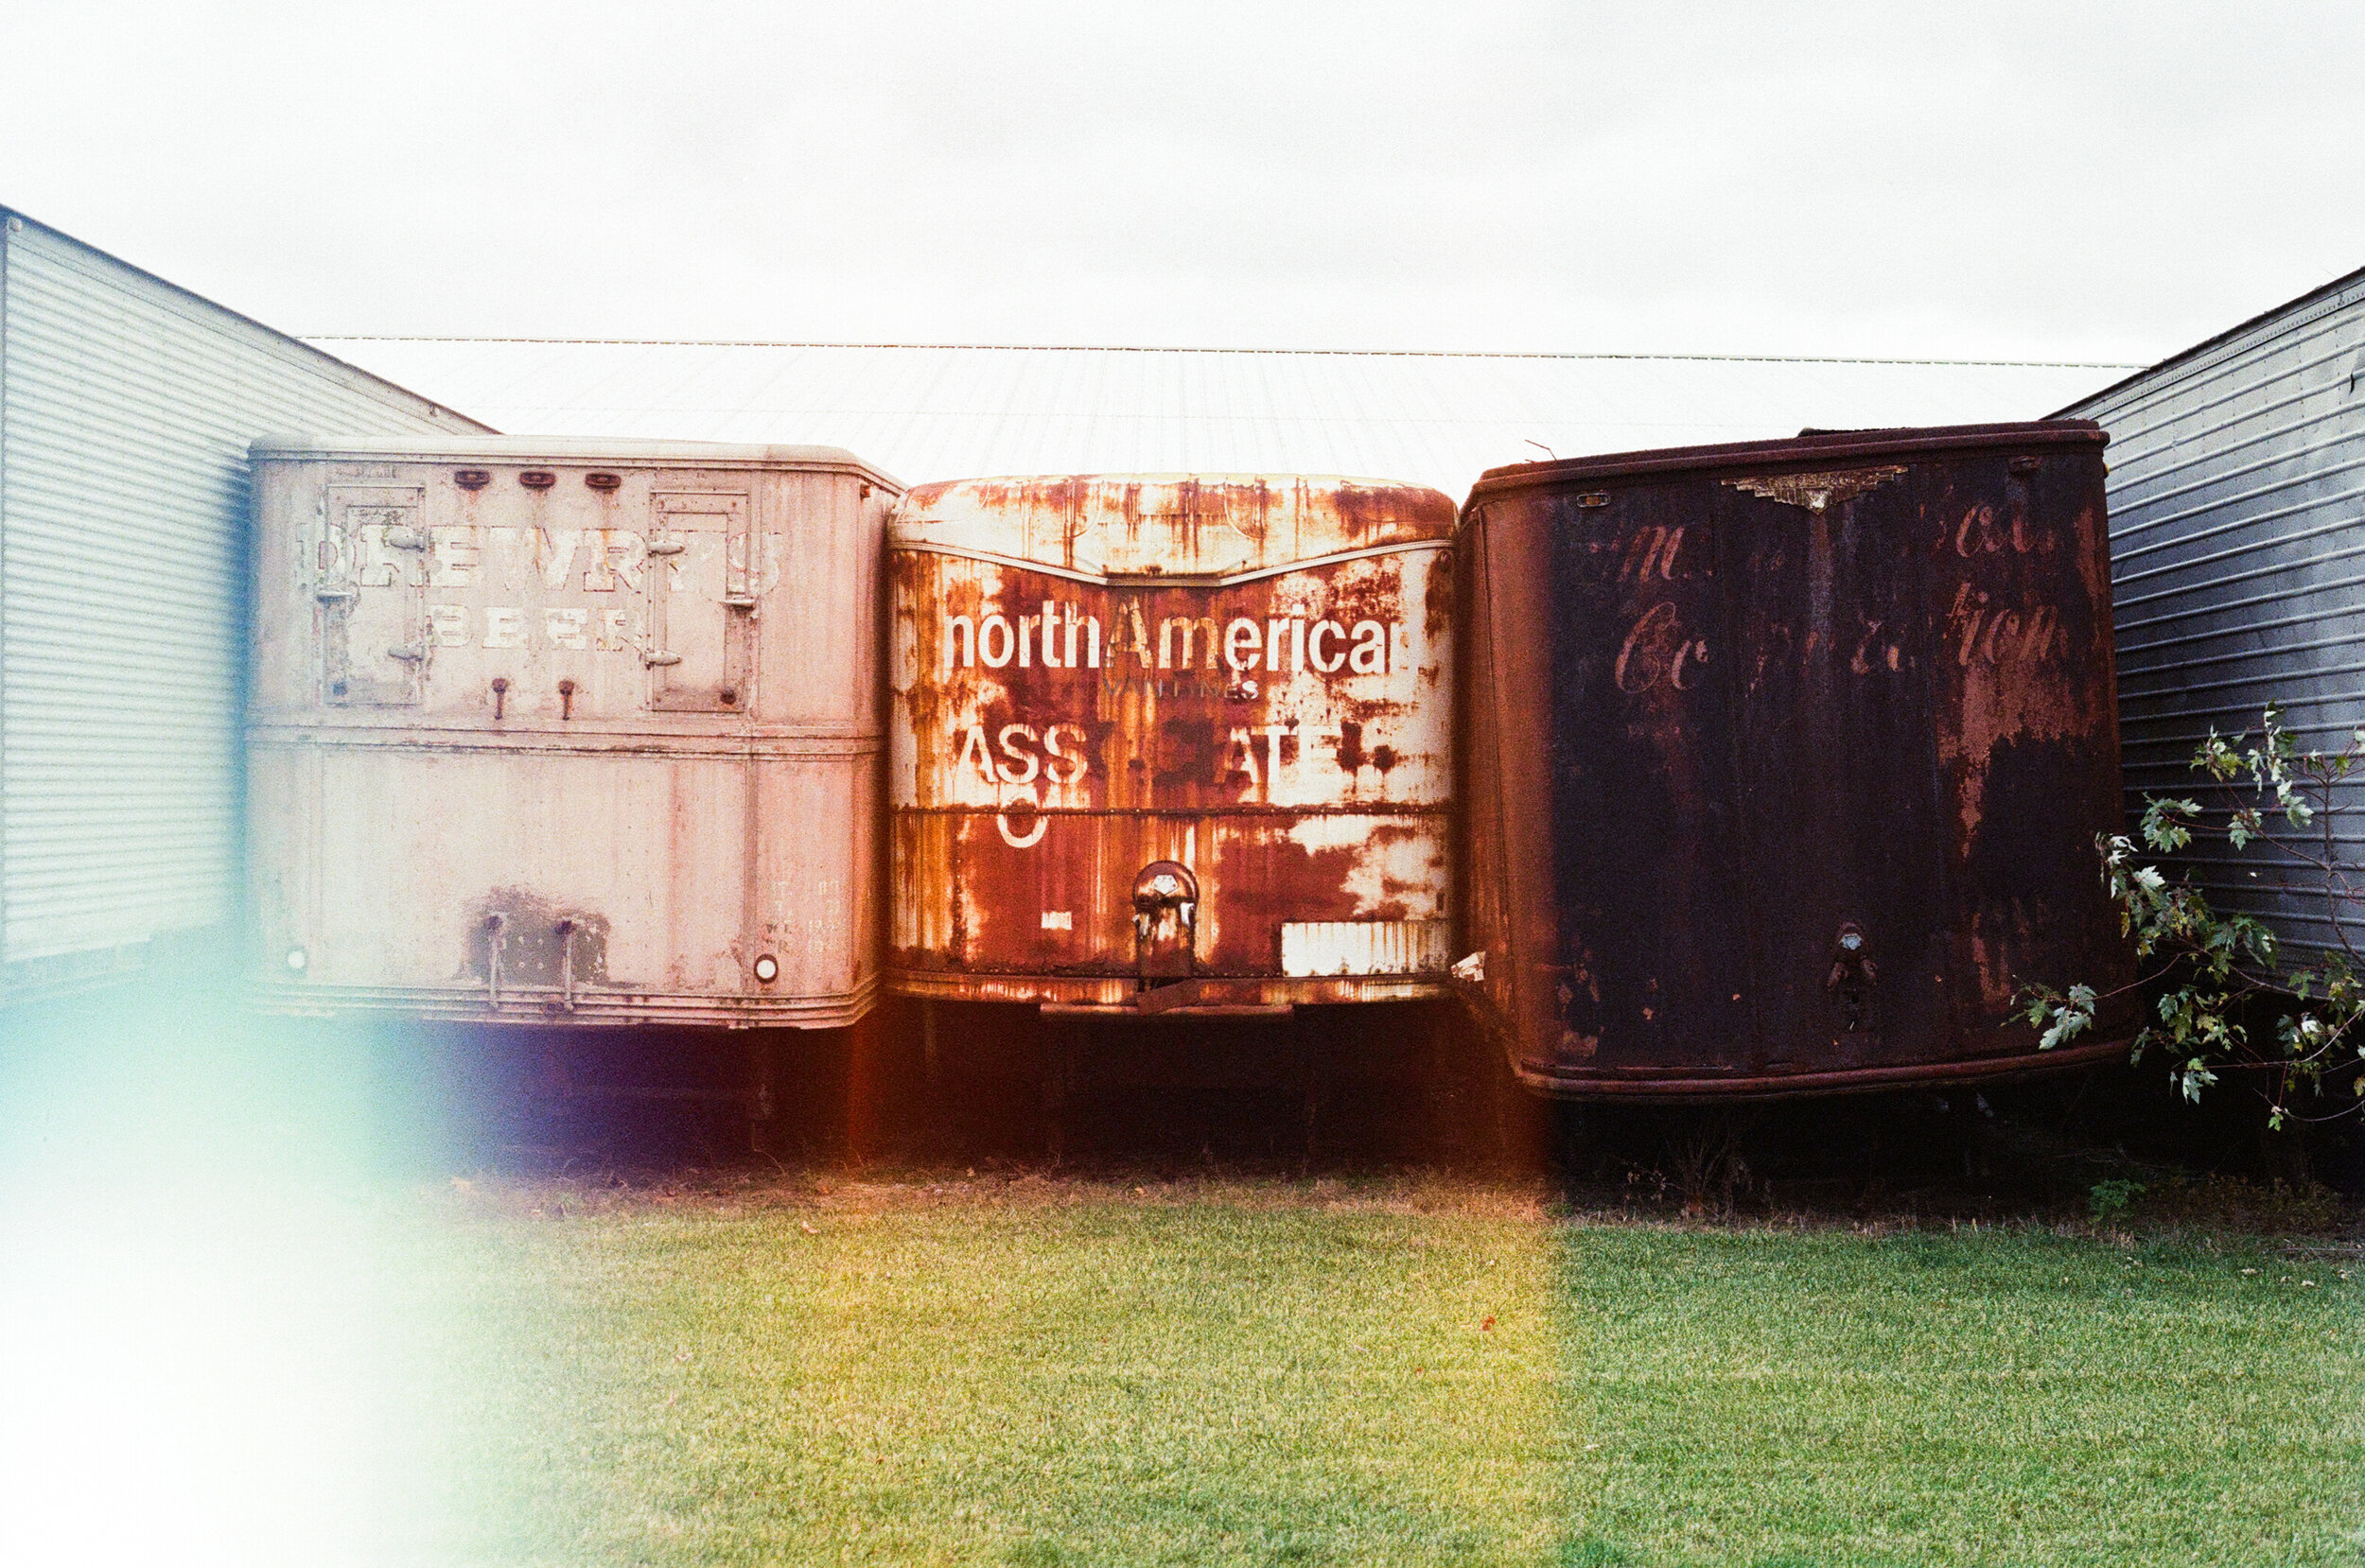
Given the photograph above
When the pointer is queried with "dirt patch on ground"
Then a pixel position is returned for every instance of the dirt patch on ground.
(2201, 1206)
(729, 1192)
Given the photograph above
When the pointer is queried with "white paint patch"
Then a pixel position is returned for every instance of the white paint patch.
(1404, 871)
(1313, 948)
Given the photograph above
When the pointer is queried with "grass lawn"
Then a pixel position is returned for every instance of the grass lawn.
(1040, 1373)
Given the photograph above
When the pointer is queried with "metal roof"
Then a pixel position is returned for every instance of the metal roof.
(1230, 526)
(942, 412)
(561, 449)
(1819, 448)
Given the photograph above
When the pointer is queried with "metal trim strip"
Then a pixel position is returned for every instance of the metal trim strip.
(1000, 986)
(1840, 448)
(569, 452)
(1850, 1080)
(1441, 809)
(539, 1005)
(1180, 580)
(611, 745)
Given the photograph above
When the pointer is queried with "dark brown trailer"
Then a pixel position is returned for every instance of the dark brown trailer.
(1784, 760)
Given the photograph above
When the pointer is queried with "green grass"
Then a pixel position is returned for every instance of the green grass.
(1040, 1373)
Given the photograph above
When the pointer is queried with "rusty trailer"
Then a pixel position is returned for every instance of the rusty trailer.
(567, 732)
(1784, 760)
(1166, 743)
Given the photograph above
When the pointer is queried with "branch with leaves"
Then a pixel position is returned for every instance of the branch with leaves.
(2212, 977)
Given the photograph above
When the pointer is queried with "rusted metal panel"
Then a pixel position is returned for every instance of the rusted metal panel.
(1785, 759)
(1143, 723)
(1365, 947)
(575, 731)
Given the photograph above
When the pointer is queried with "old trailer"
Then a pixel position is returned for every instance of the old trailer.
(1170, 743)
(1785, 759)
(572, 732)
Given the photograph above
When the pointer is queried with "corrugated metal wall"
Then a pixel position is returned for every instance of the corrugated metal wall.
(2237, 542)
(126, 406)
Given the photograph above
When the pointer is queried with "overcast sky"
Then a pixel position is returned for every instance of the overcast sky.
(2048, 180)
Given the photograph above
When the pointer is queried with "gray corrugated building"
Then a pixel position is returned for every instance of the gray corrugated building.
(126, 408)
(2237, 544)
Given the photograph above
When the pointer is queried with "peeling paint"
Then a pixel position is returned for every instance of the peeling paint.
(580, 750)
(1248, 675)
(1737, 709)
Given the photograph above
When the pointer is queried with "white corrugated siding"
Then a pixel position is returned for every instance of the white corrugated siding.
(2237, 542)
(126, 406)
(925, 412)
(1365, 947)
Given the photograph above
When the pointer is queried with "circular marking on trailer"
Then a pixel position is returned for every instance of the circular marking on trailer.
(1024, 793)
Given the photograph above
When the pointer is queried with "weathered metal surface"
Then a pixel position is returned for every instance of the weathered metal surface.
(1784, 760)
(1247, 677)
(585, 732)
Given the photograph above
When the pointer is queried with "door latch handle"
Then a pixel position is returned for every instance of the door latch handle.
(566, 929)
(493, 924)
(1851, 977)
